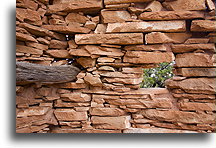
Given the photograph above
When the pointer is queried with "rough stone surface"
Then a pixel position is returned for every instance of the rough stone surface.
(147, 47)
(107, 112)
(155, 130)
(74, 6)
(196, 72)
(148, 57)
(171, 15)
(203, 25)
(159, 37)
(194, 85)
(196, 60)
(165, 26)
(92, 80)
(185, 5)
(76, 17)
(115, 16)
(182, 48)
(178, 116)
(121, 122)
(109, 2)
(58, 53)
(70, 115)
(121, 39)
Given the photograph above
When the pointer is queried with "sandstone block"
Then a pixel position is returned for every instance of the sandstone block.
(67, 29)
(105, 60)
(107, 112)
(37, 45)
(194, 60)
(27, 4)
(25, 37)
(100, 29)
(147, 47)
(33, 111)
(197, 41)
(178, 116)
(74, 6)
(115, 16)
(58, 44)
(26, 49)
(203, 25)
(210, 4)
(164, 26)
(58, 53)
(76, 17)
(159, 37)
(181, 48)
(194, 85)
(121, 39)
(155, 130)
(121, 122)
(132, 70)
(70, 115)
(86, 62)
(110, 2)
(191, 106)
(197, 72)
(171, 15)
(79, 52)
(73, 85)
(23, 15)
(185, 5)
(106, 68)
(92, 80)
(90, 25)
(154, 6)
(76, 97)
(148, 57)
(39, 31)
(97, 50)
(133, 81)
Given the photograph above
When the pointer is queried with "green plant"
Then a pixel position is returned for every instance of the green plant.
(155, 77)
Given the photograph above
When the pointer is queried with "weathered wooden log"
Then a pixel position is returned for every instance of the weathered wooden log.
(36, 73)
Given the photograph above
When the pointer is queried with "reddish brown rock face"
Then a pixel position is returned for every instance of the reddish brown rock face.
(171, 15)
(121, 39)
(165, 26)
(111, 42)
(147, 57)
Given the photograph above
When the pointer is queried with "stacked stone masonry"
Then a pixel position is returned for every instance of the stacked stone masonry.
(111, 41)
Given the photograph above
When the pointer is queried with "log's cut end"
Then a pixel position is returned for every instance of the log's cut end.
(36, 73)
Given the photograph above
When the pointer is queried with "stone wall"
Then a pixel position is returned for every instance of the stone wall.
(111, 41)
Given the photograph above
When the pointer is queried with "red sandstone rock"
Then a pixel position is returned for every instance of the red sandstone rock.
(109, 2)
(159, 37)
(154, 6)
(90, 25)
(92, 80)
(210, 4)
(27, 4)
(58, 53)
(115, 16)
(97, 50)
(196, 72)
(70, 115)
(155, 130)
(185, 5)
(197, 41)
(23, 15)
(76, 17)
(165, 26)
(86, 62)
(60, 130)
(148, 57)
(194, 85)
(171, 15)
(191, 106)
(58, 44)
(26, 49)
(147, 47)
(25, 37)
(37, 45)
(74, 6)
(33, 111)
(76, 97)
(181, 48)
(133, 81)
(121, 122)
(105, 60)
(79, 52)
(194, 60)
(203, 25)
(178, 116)
(107, 112)
(67, 29)
(120, 39)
